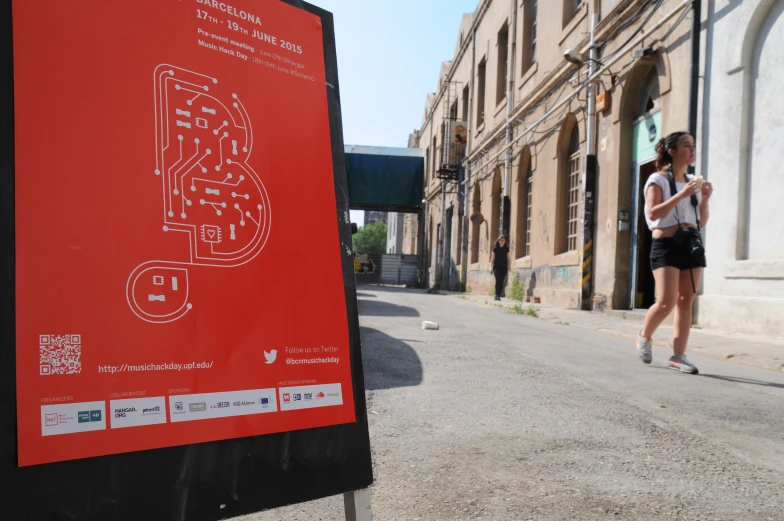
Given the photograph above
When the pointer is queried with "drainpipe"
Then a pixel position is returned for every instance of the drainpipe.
(445, 256)
(426, 245)
(694, 88)
(425, 279)
(433, 265)
(694, 85)
(506, 201)
(466, 181)
(589, 176)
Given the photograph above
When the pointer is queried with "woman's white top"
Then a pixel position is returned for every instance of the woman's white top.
(684, 210)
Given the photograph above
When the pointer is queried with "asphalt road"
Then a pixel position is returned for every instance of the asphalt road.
(505, 417)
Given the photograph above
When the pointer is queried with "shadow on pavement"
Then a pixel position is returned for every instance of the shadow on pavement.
(380, 308)
(387, 289)
(742, 380)
(388, 362)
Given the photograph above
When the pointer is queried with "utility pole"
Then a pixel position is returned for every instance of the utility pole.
(589, 173)
(466, 170)
(506, 199)
(424, 281)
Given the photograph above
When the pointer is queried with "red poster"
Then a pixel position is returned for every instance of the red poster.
(177, 254)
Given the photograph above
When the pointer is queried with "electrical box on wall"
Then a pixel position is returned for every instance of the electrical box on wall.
(603, 102)
(623, 220)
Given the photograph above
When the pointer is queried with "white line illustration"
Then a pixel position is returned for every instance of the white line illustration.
(204, 221)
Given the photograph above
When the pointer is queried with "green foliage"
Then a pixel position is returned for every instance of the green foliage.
(517, 292)
(517, 309)
(371, 239)
(532, 312)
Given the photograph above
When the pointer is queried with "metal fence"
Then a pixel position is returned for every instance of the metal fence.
(387, 268)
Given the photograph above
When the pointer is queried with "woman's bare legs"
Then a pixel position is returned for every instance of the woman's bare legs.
(667, 285)
(683, 310)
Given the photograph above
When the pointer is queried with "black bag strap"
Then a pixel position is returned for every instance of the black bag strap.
(693, 198)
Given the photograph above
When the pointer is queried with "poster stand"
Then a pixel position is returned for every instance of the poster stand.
(357, 505)
(205, 481)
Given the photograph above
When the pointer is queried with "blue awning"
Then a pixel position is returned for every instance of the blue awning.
(385, 179)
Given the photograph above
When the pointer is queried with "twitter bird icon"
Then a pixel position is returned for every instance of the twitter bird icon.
(271, 356)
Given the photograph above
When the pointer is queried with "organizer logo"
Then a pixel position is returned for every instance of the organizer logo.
(67, 418)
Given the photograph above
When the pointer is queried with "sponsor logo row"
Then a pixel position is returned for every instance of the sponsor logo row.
(66, 418)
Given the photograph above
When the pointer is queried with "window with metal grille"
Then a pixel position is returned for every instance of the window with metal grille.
(570, 10)
(529, 34)
(522, 238)
(427, 163)
(503, 64)
(435, 158)
(480, 93)
(573, 206)
(534, 14)
(465, 103)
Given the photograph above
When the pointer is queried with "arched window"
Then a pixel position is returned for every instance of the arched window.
(650, 98)
(570, 196)
(522, 246)
(573, 191)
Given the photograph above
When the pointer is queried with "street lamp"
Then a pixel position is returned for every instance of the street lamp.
(574, 57)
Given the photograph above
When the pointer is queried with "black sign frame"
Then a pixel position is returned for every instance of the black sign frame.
(202, 482)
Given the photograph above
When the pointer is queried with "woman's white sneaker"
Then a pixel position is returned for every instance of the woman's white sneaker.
(644, 349)
(682, 364)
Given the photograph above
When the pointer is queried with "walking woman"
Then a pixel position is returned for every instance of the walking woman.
(501, 263)
(676, 208)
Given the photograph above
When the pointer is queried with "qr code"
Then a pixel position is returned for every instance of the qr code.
(60, 354)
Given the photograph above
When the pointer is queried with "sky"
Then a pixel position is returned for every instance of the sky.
(389, 57)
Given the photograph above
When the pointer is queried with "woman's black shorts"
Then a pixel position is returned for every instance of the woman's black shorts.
(666, 252)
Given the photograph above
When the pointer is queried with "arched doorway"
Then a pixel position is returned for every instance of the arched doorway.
(762, 180)
(495, 212)
(646, 132)
(476, 206)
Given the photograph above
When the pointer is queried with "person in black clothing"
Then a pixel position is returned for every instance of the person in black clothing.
(500, 260)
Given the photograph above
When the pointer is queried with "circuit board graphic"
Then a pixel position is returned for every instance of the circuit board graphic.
(203, 144)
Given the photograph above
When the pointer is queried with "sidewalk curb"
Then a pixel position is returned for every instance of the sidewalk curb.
(621, 336)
